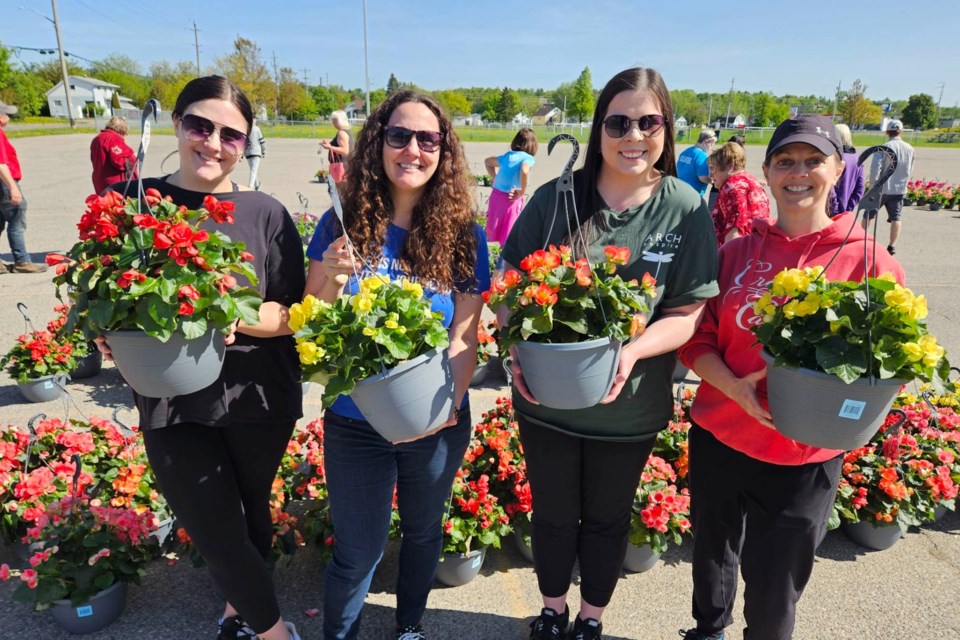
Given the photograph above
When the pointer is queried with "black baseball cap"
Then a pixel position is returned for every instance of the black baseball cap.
(813, 129)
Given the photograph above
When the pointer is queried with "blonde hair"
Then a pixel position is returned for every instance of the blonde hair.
(729, 157)
(339, 117)
(118, 124)
(846, 138)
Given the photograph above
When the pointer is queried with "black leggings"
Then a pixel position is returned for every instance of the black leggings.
(582, 492)
(217, 481)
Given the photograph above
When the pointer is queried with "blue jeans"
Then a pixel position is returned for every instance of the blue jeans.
(361, 470)
(14, 218)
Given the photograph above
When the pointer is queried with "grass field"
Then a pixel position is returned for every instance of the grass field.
(325, 131)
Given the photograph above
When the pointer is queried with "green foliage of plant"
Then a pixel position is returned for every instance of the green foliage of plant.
(155, 270)
(840, 329)
(920, 112)
(559, 300)
(475, 517)
(360, 335)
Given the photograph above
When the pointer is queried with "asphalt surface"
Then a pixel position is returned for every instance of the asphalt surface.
(909, 591)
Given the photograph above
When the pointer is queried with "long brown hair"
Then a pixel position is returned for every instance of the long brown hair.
(441, 247)
(585, 180)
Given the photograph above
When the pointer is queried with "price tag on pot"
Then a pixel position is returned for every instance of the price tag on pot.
(85, 612)
(48, 384)
(852, 409)
(476, 562)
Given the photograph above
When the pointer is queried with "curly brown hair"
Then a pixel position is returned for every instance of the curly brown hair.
(442, 218)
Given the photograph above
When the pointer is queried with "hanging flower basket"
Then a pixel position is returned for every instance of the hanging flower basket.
(640, 558)
(89, 365)
(873, 536)
(409, 399)
(165, 369)
(573, 375)
(821, 410)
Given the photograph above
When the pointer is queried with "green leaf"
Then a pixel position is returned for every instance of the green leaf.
(193, 328)
(100, 313)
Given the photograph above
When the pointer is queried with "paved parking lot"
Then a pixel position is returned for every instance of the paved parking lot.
(910, 591)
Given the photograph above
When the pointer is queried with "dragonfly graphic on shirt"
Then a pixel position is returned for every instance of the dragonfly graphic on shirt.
(659, 257)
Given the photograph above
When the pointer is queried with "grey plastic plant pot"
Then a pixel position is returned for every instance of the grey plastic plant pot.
(101, 611)
(569, 375)
(409, 399)
(456, 570)
(480, 373)
(526, 550)
(43, 389)
(640, 558)
(165, 369)
(821, 410)
(866, 534)
(89, 365)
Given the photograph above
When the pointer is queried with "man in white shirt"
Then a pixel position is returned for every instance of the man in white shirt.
(896, 187)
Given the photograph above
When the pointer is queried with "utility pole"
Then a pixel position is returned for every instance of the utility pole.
(729, 104)
(366, 67)
(305, 70)
(276, 95)
(836, 101)
(196, 46)
(63, 64)
(710, 112)
(936, 119)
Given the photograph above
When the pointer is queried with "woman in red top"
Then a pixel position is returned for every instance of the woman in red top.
(741, 198)
(112, 159)
(760, 501)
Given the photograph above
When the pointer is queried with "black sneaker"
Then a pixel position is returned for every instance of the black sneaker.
(588, 629)
(412, 632)
(891, 250)
(696, 634)
(550, 625)
(234, 628)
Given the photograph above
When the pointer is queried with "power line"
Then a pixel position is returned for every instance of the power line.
(104, 15)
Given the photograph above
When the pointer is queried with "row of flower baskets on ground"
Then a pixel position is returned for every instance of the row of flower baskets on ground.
(83, 529)
(934, 193)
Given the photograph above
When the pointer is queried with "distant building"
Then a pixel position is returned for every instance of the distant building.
(521, 119)
(472, 120)
(356, 110)
(680, 124)
(85, 93)
(547, 114)
(949, 123)
(738, 121)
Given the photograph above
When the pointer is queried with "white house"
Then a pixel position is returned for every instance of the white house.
(356, 110)
(84, 92)
(546, 114)
(521, 119)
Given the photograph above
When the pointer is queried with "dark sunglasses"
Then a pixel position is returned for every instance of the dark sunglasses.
(618, 126)
(399, 138)
(198, 128)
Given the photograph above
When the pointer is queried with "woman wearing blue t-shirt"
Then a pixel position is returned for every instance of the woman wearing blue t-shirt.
(510, 173)
(409, 213)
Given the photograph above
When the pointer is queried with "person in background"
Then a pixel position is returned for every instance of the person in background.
(510, 173)
(13, 205)
(113, 160)
(339, 147)
(410, 213)
(896, 187)
(759, 500)
(215, 452)
(584, 465)
(692, 165)
(850, 187)
(254, 152)
(741, 199)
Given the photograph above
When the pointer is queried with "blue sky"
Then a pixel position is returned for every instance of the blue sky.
(800, 47)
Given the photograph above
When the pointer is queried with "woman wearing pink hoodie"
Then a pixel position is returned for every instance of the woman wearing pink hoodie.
(760, 501)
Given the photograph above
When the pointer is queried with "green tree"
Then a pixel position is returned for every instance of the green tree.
(27, 91)
(376, 97)
(6, 70)
(453, 102)
(324, 97)
(856, 109)
(393, 85)
(562, 96)
(167, 80)
(125, 72)
(582, 106)
(245, 68)
(507, 105)
(920, 112)
(294, 101)
(49, 71)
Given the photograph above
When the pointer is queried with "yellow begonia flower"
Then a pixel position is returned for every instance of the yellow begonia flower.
(309, 352)
(412, 286)
(790, 309)
(790, 282)
(913, 351)
(888, 277)
(390, 324)
(369, 331)
(899, 298)
(809, 305)
(361, 303)
(919, 309)
(762, 303)
(297, 318)
(835, 326)
(372, 283)
(932, 352)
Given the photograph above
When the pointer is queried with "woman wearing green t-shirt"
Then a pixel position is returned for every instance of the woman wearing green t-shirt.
(584, 465)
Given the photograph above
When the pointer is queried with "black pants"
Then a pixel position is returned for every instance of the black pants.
(766, 518)
(217, 481)
(582, 491)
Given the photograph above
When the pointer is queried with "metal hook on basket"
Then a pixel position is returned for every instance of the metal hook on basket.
(75, 458)
(871, 199)
(304, 202)
(934, 411)
(565, 183)
(33, 438)
(115, 416)
(27, 322)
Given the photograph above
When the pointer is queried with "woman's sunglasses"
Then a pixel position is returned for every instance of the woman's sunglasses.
(399, 138)
(198, 128)
(618, 126)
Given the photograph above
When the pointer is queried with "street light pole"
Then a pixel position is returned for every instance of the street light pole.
(63, 64)
(366, 67)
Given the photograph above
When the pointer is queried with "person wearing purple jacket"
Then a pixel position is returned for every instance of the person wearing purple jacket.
(849, 188)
